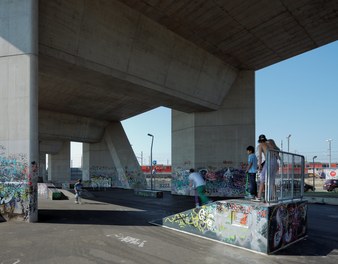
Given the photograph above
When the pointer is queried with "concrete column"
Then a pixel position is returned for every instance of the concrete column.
(42, 167)
(59, 165)
(19, 109)
(97, 161)
(113, 158)
(128, 169)
(216, 140)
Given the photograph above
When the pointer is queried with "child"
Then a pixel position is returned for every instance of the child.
(78, 190)
(251, 170)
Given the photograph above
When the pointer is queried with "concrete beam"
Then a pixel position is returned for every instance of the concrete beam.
(55, 126)
(133, 52)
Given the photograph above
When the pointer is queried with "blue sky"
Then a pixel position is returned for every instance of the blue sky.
(298, 96)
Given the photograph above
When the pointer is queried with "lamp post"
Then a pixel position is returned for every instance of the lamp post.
(288, 138)
(151, 161)
(329, 140)
(313, 178)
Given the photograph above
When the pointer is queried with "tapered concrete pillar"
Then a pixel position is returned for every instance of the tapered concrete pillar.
(19, 109)
(42, 168)
(215, 141)
(59, 165)
(113, 158)
(97, 161)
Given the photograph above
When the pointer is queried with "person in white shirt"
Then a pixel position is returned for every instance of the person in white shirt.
(197, 182)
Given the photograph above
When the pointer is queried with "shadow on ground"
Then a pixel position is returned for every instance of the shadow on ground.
(125, 208)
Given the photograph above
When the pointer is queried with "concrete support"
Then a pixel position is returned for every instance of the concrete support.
(97, 161)
(19, 109)
(59, 165)
(114, 159)
(42, 168)
(216, 140)
(124, 158)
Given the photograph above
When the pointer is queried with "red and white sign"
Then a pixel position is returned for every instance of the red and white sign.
(331, 174)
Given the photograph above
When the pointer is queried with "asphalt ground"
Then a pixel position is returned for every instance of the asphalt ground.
(112, 226)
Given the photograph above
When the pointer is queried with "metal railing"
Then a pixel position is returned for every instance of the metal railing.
(285, 176)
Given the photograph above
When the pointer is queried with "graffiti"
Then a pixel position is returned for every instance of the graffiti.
(130, 240)
(200, 218)
(18, 186)
(100, 182)
(287, 224)
(245, 224)
(229, 222)
(225, 182)
(119, 178)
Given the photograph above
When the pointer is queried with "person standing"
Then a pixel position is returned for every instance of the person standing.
(251, 170)
(78, 191)
(197, 182)
(264, 146)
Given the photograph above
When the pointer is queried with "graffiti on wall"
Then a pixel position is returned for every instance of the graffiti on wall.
(119, 178)
(224, 182)
(243, 225)
(18, 186)
(259, 227)
(287, 224)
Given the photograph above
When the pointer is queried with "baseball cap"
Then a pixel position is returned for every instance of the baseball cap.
(262, 138)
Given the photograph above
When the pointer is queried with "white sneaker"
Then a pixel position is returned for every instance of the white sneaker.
(76, 202)
(256, 199)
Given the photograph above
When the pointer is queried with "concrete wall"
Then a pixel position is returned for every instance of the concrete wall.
(216, 141)
(19, 109)
(59, 165)
(114, 159)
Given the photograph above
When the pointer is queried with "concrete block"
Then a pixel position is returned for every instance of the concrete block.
(149, 193)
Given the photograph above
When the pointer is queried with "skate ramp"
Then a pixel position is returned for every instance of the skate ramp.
(259, 227)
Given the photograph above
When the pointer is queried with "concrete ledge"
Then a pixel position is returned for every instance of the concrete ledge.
(322, 200)
(149, 193)
(56, 194)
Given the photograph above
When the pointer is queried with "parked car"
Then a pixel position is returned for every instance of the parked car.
(331, 185)
(308, 187)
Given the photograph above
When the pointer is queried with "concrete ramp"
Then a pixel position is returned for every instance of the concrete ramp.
(260, 227)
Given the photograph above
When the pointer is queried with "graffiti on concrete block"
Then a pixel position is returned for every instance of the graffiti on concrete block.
(243, 225)
(260, 227)
(18, 186)
(287, 224)
(223, 182)
(102, 176)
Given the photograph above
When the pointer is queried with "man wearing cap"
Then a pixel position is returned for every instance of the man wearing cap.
(263, 147)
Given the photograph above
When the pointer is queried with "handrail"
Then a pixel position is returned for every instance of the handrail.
(285, 176)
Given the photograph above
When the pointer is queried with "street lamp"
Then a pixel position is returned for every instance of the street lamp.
(313, 179)
(288, 138)
(329, 140)
(151, 161)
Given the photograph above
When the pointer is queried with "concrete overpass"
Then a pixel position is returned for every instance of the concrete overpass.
(73, 70)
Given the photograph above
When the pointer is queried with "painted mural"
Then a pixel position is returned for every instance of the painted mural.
(243, 225)
(287, 223)
(101, 176)
(224, 182)
(18, 186)
(254, 226)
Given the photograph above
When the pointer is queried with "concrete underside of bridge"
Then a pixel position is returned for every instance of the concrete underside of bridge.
(73, 70)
